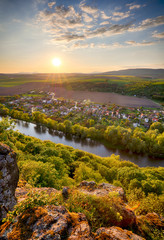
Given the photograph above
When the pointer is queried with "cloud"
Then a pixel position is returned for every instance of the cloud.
(148, 23)
(88, 9)
(80, 45)
(87, 18)
(105, 23)
(104, 16)
(61, 18)
(67, 24)
(51, 4)
(144, 43)
(117, 16)
(17, 20)
(158, 35)
(69, 37)
(133, 6)
(110, 46)
(110, 30)
(152, 22)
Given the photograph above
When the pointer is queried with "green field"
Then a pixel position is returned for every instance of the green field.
(126, 85)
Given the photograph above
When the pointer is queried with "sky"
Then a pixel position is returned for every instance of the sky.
(87, 36)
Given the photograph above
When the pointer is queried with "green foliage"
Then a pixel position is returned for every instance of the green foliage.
(100, 211)
(84, 172)
(46, 164)
(33, 199)
(157, 125)
(151, 203)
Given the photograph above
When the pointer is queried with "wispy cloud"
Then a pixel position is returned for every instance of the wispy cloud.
(104, 16)
(84, 22)
(51, 4)
(88, 9)
(117, 16)
(158, 35)
(136, 44)
(16, 20)
(109, 30)
(110, 45)
(148, 23)
(133, 6)
(87, 18)
(104, 23)
(80, 45)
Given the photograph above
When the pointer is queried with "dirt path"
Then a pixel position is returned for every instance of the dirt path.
(97, 97)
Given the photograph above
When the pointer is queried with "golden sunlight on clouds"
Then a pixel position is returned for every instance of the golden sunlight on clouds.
(56, 62)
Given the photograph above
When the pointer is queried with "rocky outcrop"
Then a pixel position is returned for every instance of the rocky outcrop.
(146, 225)
(116, 233)
(21, 193)
(55, 222)
(102, 189)
(49, 223)
(8, 179)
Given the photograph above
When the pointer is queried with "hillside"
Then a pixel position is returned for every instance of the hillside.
(83, 210)
(65, 193)
(139, 72)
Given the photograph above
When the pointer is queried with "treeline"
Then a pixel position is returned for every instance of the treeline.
(138, 141)
(46, 164)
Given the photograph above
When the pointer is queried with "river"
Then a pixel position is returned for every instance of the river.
(87, 145)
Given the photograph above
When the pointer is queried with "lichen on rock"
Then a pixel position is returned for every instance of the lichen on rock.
(9, 176)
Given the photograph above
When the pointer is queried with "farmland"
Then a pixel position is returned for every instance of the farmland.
(151, 88)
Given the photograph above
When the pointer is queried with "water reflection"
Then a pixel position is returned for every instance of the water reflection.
(38, 129)
(25, 124)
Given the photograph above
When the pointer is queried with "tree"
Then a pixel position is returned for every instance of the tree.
(68, 126)
(38, 117)
(157, 125)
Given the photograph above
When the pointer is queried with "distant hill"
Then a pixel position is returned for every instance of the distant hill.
(140, 72)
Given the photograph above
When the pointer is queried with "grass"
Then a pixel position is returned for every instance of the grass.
(14, 82)
(34, 95)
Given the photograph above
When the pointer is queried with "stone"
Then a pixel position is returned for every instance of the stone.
(102, 189)
(50, 222)
(9, 176)
(65, 192)
(89, 185)
(147, 223)
(116, 233)
(55, 222)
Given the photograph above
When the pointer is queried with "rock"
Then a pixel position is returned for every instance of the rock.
(49, 223)
(65, 192)
(55, 222)
(82, 229)
(102, 189)
(128, 216)
(9, 176)
(148, 223)
(88, 185)
(116, 233)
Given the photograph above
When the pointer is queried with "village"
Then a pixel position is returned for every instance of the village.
(78, 111)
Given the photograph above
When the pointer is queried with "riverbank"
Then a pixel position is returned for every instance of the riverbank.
(87, 145)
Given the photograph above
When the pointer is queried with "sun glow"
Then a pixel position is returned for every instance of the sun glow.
(56, 62)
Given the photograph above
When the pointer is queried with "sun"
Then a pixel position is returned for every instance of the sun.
(56, 62)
